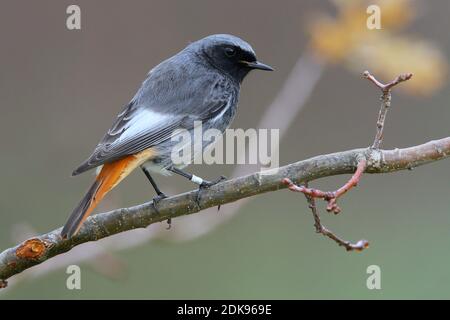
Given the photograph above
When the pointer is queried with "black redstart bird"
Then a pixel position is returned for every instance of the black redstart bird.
(200, 83)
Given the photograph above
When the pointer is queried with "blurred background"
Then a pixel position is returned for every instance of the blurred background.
(60, 91)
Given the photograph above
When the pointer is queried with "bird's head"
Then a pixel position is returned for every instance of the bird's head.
(229, 54)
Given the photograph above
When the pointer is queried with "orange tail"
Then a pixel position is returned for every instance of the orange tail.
(110, 175)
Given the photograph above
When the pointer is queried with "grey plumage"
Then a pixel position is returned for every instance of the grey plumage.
(200, 83)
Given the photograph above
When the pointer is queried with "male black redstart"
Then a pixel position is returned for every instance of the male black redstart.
(200, 83)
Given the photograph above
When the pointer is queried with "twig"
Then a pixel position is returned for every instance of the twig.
(42, 248)
(385, 102)
(330, 196)
(320, 228)
(388, 86)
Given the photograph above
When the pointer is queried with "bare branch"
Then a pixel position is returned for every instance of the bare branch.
(330, 196)
(385, 102)
(390, 85)
(39, 249)
(320, 228)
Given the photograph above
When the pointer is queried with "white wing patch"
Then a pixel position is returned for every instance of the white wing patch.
(141, 121)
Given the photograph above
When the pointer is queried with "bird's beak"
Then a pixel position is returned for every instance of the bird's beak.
(257, 65)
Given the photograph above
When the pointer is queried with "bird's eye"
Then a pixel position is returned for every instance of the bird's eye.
(230, 52)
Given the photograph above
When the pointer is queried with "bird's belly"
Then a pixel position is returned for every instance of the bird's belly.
(163, 156)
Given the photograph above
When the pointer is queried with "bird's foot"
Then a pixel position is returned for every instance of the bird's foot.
(206, 185)
(157, 199)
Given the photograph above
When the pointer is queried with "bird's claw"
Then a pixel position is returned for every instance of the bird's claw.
(158, 198)
(206, 185)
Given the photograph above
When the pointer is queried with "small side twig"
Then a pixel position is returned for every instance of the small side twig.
(385, 102)
(331, 196)
(320, 228)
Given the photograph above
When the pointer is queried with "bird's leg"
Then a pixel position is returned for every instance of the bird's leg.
(202, 183)
(159, 194)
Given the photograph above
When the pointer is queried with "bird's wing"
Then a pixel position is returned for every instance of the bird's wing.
(143, 124)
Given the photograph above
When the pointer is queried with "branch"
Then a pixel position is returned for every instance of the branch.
(385, 102)
(330, 196)
(41, 248)
(320, 228)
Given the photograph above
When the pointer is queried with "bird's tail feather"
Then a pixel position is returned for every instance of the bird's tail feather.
(76, 218)
(110, 175)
